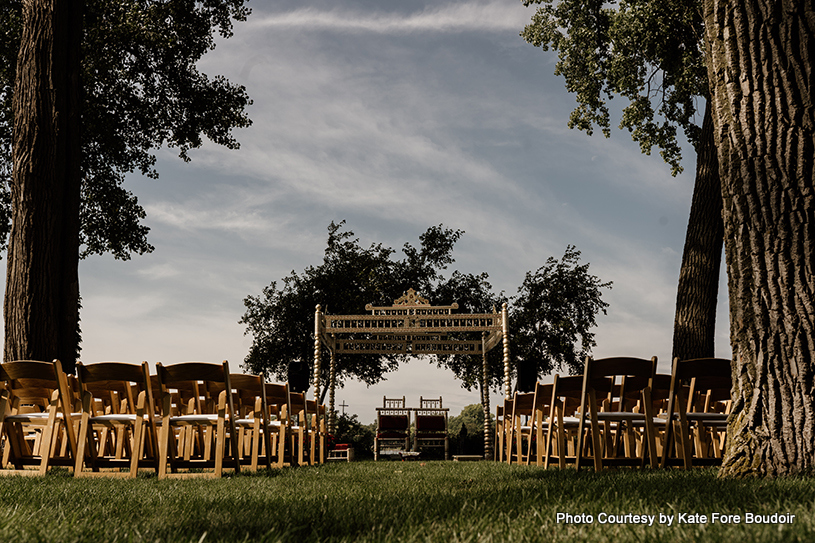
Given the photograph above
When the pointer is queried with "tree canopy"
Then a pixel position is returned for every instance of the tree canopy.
(350, 276)
(543, 324)
(552, 317)
(141, 90)
(649, 52)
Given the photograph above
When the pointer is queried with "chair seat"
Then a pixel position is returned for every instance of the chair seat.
(245, 422)
(658, 421)
(707, 418)
(123, 418)
(620, 415)
(27, 417)
(37, 417)
(196, 419)
(570, 421)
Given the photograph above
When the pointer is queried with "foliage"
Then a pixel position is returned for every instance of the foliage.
(142, 90)
(467, 430)
(554, 309)
(349, 278)
(353, 432)
(400, 502)
(552, 317)
(647, 51)
(473, 293)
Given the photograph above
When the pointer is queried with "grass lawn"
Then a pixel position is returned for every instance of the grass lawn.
(403, 501)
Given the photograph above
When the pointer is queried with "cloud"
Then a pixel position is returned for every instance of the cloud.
(457, 17)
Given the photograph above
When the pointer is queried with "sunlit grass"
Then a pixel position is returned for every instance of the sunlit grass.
(396, 501)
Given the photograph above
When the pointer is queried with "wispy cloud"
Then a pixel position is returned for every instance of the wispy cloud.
(460, 17)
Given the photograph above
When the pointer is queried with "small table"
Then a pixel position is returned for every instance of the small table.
(340, 453)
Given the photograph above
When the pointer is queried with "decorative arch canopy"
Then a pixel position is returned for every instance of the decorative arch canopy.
(411, 326)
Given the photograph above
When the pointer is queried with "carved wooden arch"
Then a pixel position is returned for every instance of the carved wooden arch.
(411, 326)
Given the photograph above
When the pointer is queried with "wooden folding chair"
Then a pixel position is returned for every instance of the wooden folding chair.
(634, 377)
(697, 385)
(317, 429)
(498, 445)
(249, 395)
(118, 428)
(520, 427)
(195, 437)
(564, 420)
(299, 435)
(278, 423)
(36, 417)
(660, 392)
(506, 433)
(542, 412)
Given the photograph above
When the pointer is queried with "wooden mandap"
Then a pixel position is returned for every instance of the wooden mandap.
(411, 326)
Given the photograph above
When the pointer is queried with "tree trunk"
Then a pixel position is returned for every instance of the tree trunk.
(698, 289)
(761, 83)
(41, 306)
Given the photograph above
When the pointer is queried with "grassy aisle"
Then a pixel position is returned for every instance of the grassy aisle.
(395, 501)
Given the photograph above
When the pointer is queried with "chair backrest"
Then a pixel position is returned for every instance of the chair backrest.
(249, 394)
(660, 391)
(632, 374)
(703, 375)
(316, 412)
(299, 408)
(430, 403)
(278, 401)
(393, 403)
(399, 422)
(199, 384)
(568, 391)
(431, 422)
(37, 381)
(112, 381)
(543, 397)
(523, 404)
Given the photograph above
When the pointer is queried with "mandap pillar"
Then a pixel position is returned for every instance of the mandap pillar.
(485, 398)
(317, 352)
(332, 385)
(507, 380)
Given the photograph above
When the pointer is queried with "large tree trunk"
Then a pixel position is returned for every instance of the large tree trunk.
(698, 289)
(41, 307)
(761, 83)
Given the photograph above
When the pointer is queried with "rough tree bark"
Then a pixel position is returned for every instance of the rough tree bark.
(41, 308)
(761, 83)
(698, 288)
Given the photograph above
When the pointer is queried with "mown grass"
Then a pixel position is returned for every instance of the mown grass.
(395, 501)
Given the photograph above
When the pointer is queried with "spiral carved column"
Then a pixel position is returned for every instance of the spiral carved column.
(332, 384)
(485, 399)
(507, 381)
(317, 351)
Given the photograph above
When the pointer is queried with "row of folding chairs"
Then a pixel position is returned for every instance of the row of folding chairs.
(187, 419)
(620, 412)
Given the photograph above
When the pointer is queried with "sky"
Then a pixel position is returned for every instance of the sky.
(392, 116)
